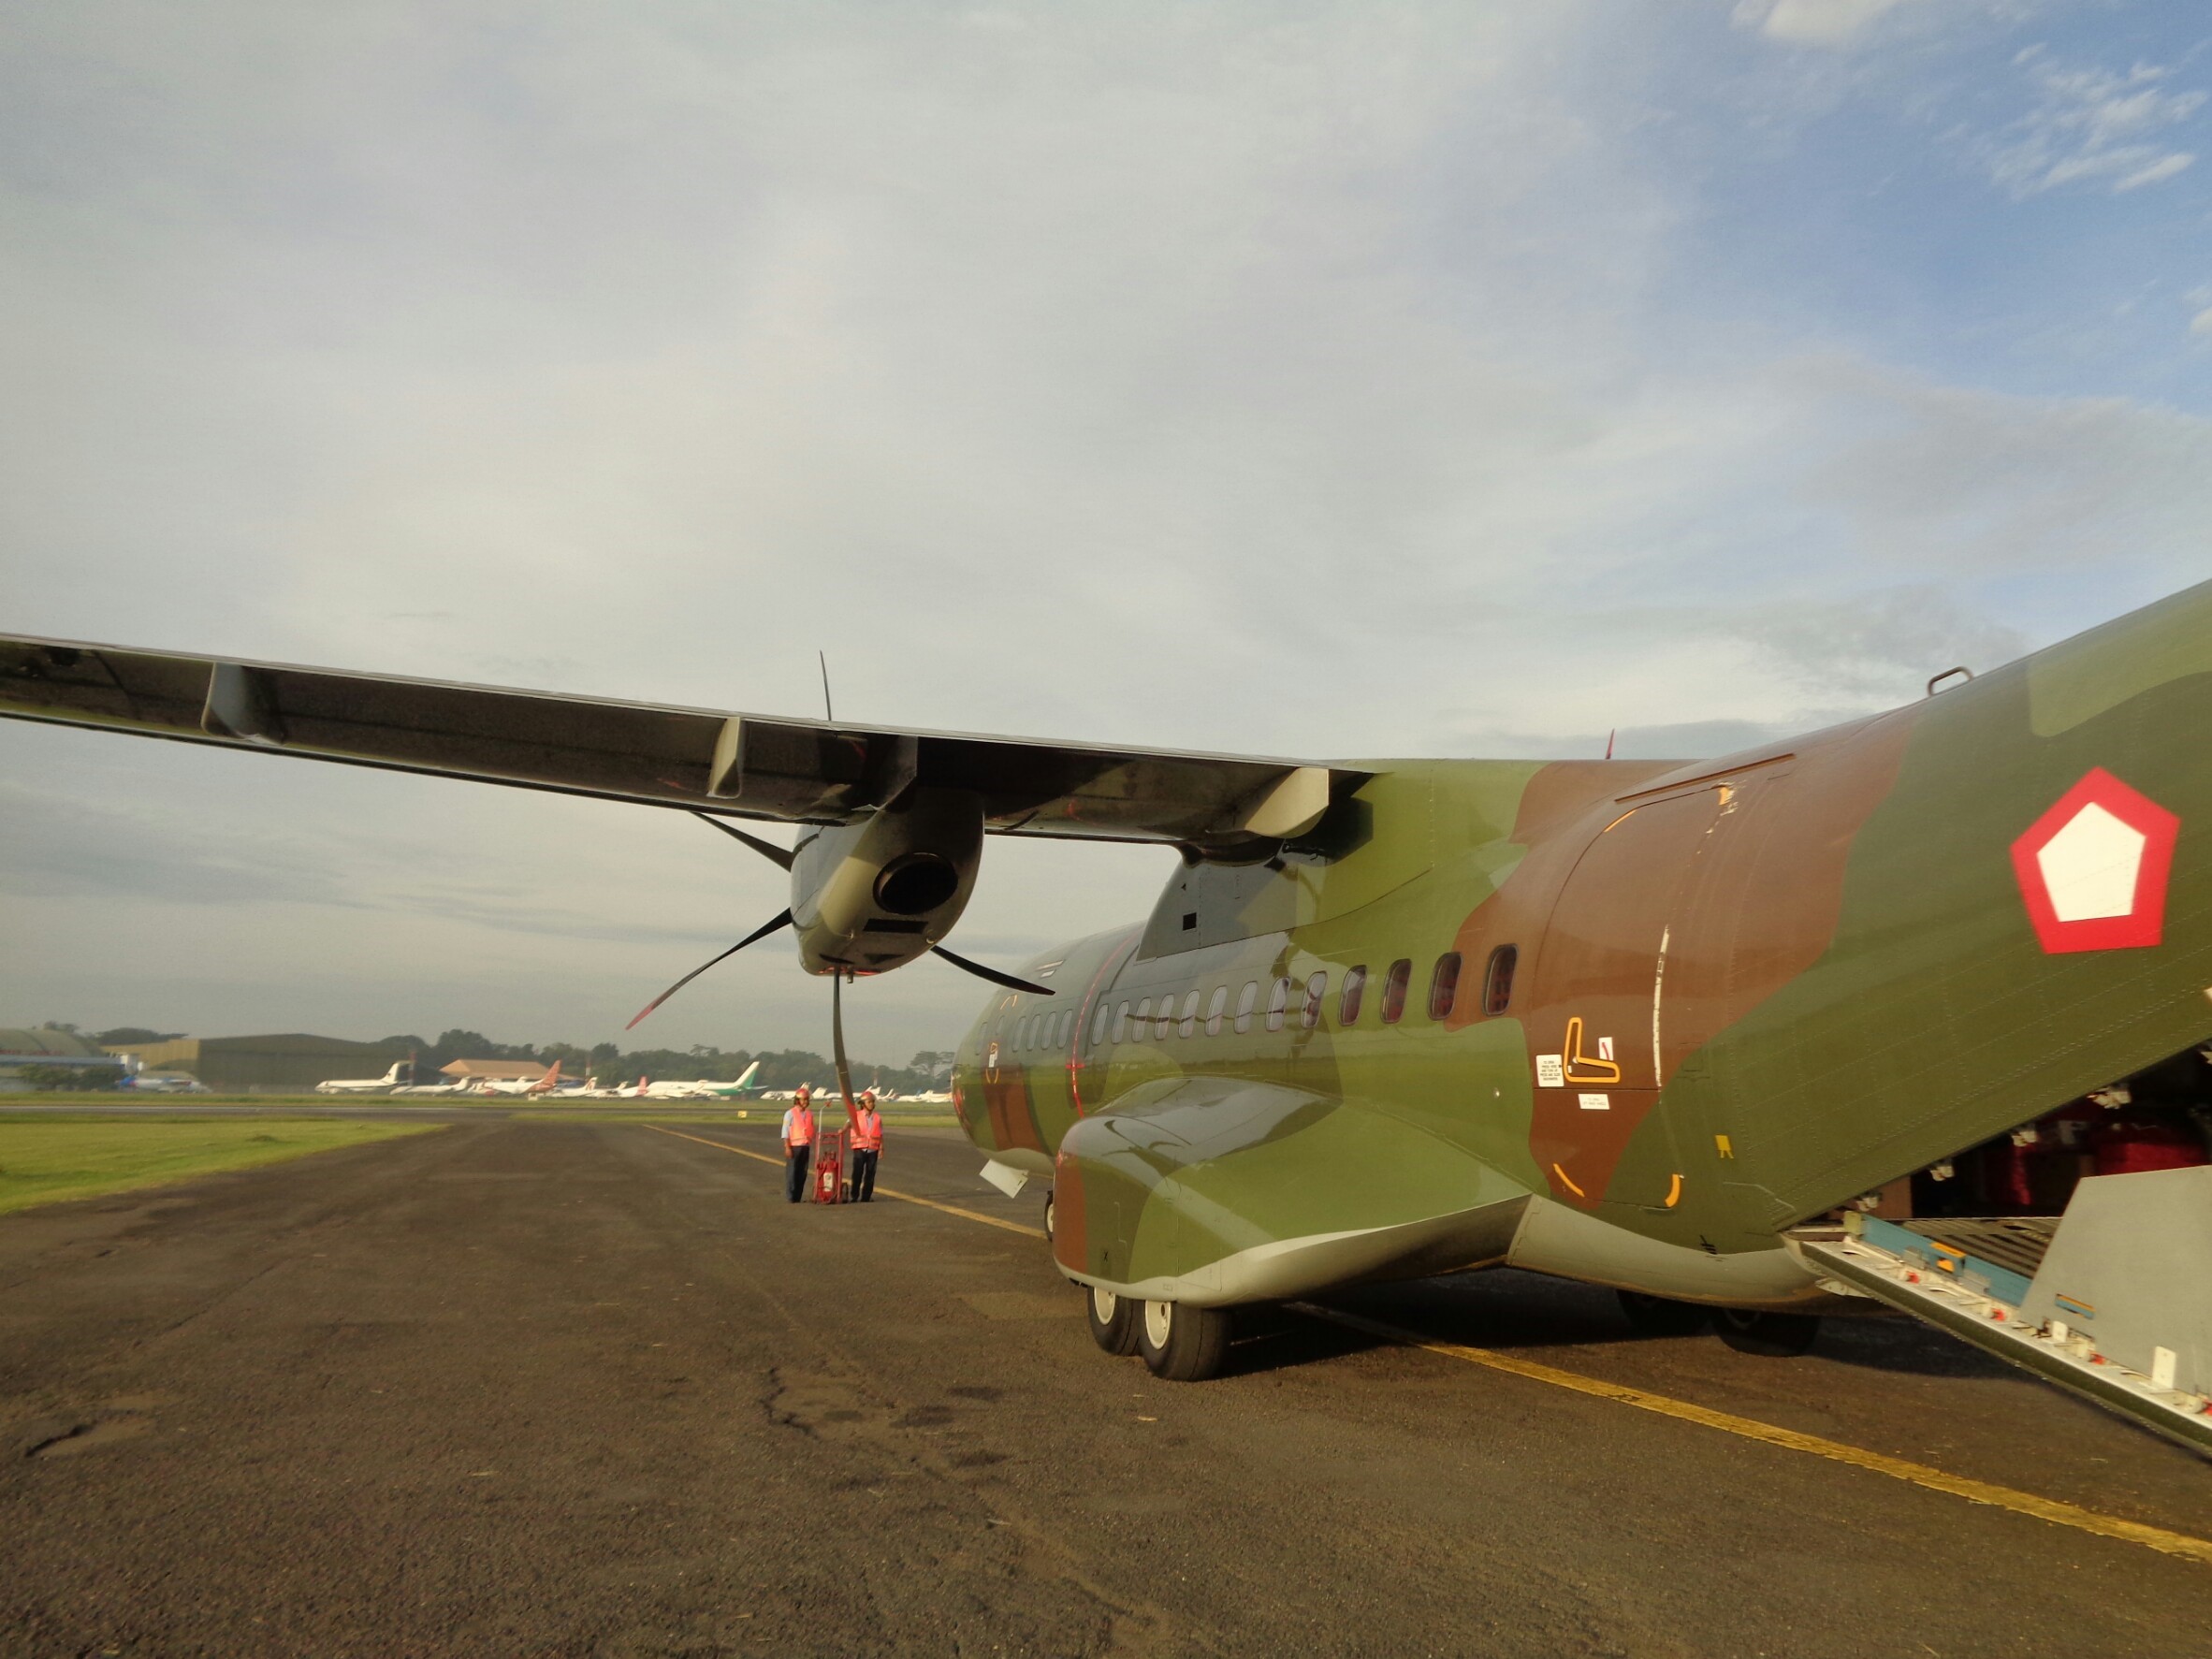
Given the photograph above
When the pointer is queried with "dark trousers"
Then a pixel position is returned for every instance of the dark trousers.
(796, 1158)
(864, 1174)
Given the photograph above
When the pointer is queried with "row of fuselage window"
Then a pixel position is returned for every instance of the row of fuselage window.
(1287, 1000)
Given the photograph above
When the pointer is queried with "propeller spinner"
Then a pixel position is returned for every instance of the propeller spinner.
(873, 896)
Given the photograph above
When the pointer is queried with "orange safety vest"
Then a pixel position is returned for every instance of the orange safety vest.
(798, 1127)
(867, 1131)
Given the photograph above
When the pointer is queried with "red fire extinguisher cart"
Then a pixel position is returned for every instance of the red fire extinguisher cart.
(829, 1166)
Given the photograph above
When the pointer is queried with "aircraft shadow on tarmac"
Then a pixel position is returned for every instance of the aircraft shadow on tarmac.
(1507, 1311)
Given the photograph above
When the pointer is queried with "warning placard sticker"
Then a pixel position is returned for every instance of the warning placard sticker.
(1550, 1071)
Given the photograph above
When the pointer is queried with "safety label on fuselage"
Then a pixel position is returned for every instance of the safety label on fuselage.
(1596, 1102)
(1550, 1071)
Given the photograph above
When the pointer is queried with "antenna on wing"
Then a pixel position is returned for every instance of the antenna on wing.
(827, 712)
(1610, 736)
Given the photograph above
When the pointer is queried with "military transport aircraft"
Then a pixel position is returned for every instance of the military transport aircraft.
(1644, 1023)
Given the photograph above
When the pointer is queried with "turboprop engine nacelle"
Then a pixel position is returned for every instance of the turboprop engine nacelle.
(872, 895)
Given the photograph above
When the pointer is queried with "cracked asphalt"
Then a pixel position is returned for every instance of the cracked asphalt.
(526, 1387)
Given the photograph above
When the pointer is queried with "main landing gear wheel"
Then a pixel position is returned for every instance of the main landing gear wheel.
(1181, 1343)
(1048, 1217)
(1113, 1320)
(1779, 1336)
(1655, 1316)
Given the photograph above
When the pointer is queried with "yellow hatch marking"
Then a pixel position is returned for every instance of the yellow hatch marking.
(1568, 1181)
(1674, 1193)
(1721, 1145)
(1974, 1492)
(1582, 1068)
(1034, 1232)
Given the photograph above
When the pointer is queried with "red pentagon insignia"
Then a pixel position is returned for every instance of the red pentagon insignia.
(2094, 869)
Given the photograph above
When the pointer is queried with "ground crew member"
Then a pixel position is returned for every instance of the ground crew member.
(798, 1144)
(867, 1141)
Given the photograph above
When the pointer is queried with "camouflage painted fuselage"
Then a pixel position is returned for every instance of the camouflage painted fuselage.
(1746, 991)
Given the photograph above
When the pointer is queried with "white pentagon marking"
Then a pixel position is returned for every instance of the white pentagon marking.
(2090, 866)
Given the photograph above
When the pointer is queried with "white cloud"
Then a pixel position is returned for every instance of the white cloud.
(1812, 22)
(2093, 126)
(1940, 477)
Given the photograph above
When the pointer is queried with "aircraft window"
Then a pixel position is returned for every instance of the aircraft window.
(1246, 998)
(1189, 1025)
(1121, 1024)
(1214, 1010)
(1394, 990)
(1355, 986)
(1143, 1024)
(1278, 999)
(1315, 988)
(1066, 1028)
(1497, 980)
(1444, 986)
(1166, 1022)
(1021, 1036)
(1099, 1024)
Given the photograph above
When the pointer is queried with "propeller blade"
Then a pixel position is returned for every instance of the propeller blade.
(767, 849)
(756, 935)
(992, 974)
(838, 1038)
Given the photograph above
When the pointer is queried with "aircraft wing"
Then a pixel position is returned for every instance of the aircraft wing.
(740, 765)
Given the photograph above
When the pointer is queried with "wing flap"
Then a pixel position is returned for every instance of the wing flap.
(741, 764)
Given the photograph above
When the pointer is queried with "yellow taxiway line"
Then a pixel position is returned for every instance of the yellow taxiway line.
(1974, 1492)
(1034, 1232)
(1921, 1475)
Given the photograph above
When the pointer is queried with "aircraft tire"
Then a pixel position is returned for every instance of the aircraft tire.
(1048, 1217)
(1113, 1320)
(1181, 1343)
(1656, 1316)
(1777, 1336)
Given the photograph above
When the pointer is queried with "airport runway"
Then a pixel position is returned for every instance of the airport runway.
(595, 1389)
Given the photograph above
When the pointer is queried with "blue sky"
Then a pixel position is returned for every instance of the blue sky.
(2009, 198)
(1320, 380)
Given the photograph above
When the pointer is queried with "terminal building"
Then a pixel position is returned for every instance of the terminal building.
(288, 1063)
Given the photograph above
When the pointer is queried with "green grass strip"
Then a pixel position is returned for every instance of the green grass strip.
(48, 1161)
